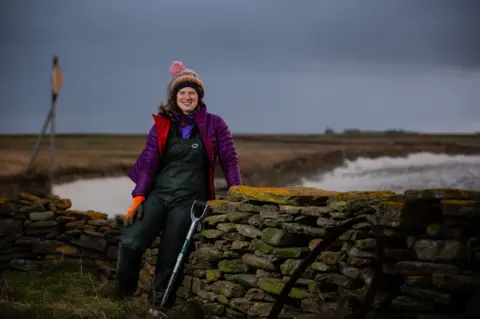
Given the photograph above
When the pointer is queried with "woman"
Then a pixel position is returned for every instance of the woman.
(175, 169)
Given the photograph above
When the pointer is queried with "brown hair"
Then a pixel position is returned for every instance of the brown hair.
(168, 108)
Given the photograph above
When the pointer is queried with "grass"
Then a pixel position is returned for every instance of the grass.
(66, 291)
(100, 152)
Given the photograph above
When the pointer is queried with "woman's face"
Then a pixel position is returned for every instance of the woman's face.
(187, 100)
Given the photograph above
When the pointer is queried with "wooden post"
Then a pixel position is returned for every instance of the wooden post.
(56, 86)
(52, 144)
(56, 78)
(39, 141)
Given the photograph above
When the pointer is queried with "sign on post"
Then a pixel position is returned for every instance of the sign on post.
(57, 78)
(56, 83)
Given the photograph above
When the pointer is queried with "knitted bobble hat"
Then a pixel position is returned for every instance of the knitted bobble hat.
(182, 77)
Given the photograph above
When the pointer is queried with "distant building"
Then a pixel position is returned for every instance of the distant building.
(329, 131)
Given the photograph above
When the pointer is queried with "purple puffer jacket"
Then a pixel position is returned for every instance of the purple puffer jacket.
(215, 135)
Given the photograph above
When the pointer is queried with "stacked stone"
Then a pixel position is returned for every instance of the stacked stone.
(35, 231)
(147, 273)
(250, 246)
(249, 249)
(433, 251)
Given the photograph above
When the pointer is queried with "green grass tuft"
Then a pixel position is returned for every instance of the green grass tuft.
(65, 291)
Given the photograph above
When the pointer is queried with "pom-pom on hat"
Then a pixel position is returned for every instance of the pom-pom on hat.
(183, 77)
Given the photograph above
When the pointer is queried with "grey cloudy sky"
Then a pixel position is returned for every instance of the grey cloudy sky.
(268, 66)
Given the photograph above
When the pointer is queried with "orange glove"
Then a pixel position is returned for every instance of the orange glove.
(135, 212)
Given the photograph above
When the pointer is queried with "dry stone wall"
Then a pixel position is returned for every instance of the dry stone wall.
(249, 249)
(36, 231)
(251, 244)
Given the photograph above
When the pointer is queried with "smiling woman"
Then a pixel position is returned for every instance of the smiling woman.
(175, 169)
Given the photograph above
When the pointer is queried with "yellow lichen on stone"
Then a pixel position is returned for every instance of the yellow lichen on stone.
(281, 195)
(441, 193)
(51, 257)
(62, 204)
(313, 243)
(388, 232)
(433, 228)
(145, 279)
(151, 271)
(75, 224)
(216, 202)
(213, 275)
(90, 228)
(29, 197)
(96, 215)
(361, 195)
(67, 250)
(460, 202)
(69, 212)
(218, 205)
(89, 215)
(391, 204)
(44, 201)
(145, 274)
(105, 229)
(461, 208)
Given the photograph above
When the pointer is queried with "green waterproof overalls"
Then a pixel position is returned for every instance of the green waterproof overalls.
(182, 178)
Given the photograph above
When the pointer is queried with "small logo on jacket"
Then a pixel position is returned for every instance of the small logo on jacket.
(194, 145)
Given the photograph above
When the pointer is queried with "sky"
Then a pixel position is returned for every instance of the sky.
(270, 66)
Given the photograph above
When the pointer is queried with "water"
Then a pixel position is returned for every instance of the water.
(107, 195)
(420, 170)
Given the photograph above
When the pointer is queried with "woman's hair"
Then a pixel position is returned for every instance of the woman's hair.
(168, 108)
